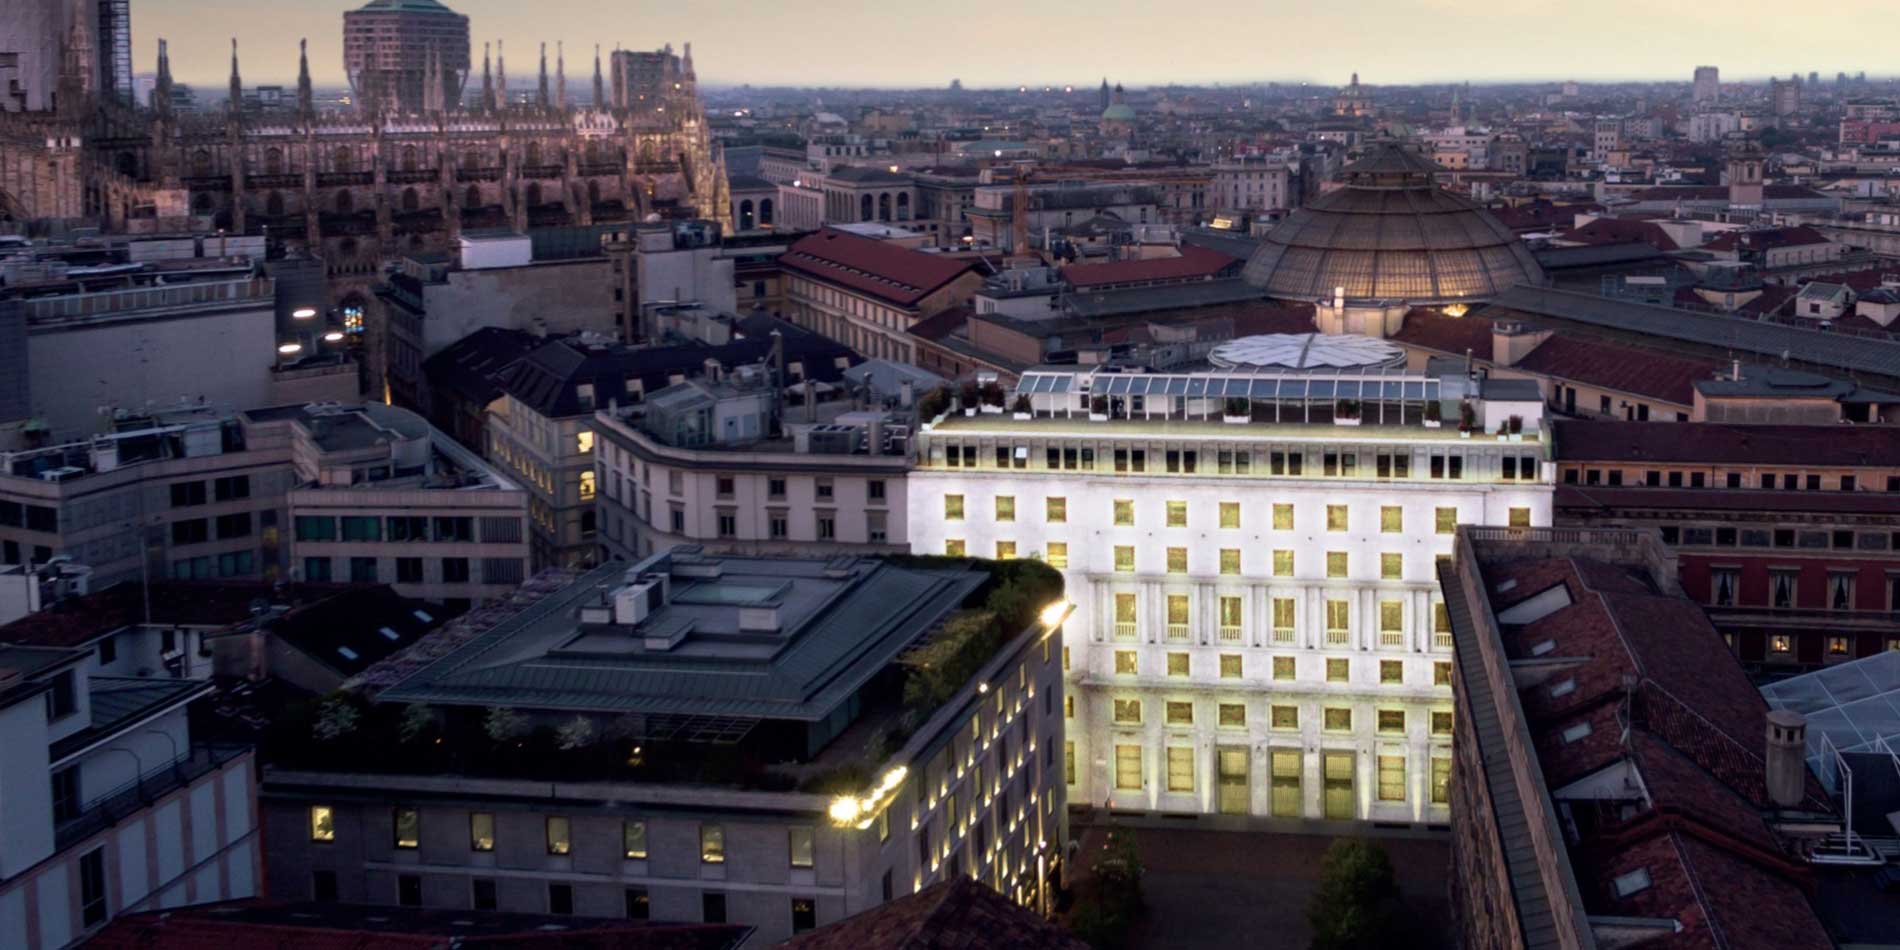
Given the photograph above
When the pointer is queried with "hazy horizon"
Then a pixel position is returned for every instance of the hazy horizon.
(1388, 42)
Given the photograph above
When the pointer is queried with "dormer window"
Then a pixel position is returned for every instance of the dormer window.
(1633, 882)
(584, 394)
(1577, 732)
(1564, 688)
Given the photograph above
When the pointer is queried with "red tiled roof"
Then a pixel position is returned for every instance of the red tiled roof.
(881, 269)
(1663, 694)
(1766, 239)
(1771, 299)
(1195, 262)
(1620, 231)
(1431, 330)
(1540, 215)
(958, 914)
(941, 324)
(1816, 445)
(1622, 368)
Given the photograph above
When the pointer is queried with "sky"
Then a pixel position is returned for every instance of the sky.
(926, 43)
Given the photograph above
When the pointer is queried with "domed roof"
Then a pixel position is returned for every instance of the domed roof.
(1391, 234)
(1118, 112)
(1306, 351)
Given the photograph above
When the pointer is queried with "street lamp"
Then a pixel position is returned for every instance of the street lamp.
(303, 313)
(289, 349)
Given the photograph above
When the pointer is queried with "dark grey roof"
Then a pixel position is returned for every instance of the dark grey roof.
(868, 175)
(546, 379)
(472, 365)
(1163, 297)
(1767, 340)
(1520, 390)
(738, 183)
(1596, 255)
(118, 701)
(841, 622)
(1227, 242)
(368, 622)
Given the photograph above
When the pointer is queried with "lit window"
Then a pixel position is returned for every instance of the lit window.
(953, 547)
(1056, 510)
(1335, 517)
(1282, 563)
(1177, 560)
(1391, 778)
(1441, 674)
(712, 844)
(633, 839)
(1286, 717)
(559, 841)
(953, 507)
(1391, 623)
(1128, 711)
(1441, 722)
(1180, 714)
(1068, 763)
(408, 822)
(584, 442)
(1180, 769)
(1230, 514)
(1392, 721)
(1338, 670)
(1520, 517)
(1230, 665)
(1836, 646)
(481, 831)
(1338, 622)
(322, 823)
(1780, 643)
(1447, 520)
(1391, 519)
(1230, 561)
(1335, 564)
(1177, 616)
(1230, 617)
(1125, 662)
(1282, 517)
(1005, 550)
(1391, 567)
(1283, 667)
(1124, 512)
(1128, 767)
(1441, 780)
(1233, 715)
(1338, 720)
(1177, 514)
(1124, 616)
(799, 844)
(587, 485)
(1177, 664)
(1058, 555)
(1005, 507)
(1125, 558)
(1391, 672)
(1283, 611)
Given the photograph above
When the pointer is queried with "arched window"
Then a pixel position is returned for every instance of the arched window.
(410, 200)
(273, 161)
(345, 202)
(765, 211)
(342, 159)
(745, 215)
(866, 208)
(534, 194)
(903, 206)
(274, 204)
(409, 158)
(884, 206)
(128, 164)
(474, 197)
(591, 152)
(471, 159)
(534, 153)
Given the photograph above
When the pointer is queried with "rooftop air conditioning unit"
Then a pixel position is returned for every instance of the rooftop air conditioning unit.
(61, 474)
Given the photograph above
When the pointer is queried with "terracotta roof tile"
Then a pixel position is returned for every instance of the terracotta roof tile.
(1431, 330)
(1194, 262)
(1624, 369)
(884, 270)
(1844, 445)
(958, 914)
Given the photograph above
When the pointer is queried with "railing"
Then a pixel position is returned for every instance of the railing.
(1283, 634)
(1124, 631)
(1177, 631)
(1441, 640)
(74, 306)
(1229, 634)
(121, 803)
(1337, 637)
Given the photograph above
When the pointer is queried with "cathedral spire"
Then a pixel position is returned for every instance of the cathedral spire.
(306, 100)
(686, 65)
(541, 91)
(236, 102)
(560, 76)
(162, 90)
(501, 77)
(488, 81)
(600, 86)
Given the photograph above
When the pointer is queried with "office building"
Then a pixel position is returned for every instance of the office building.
(713, 714)
(1250, 549)
(392, 50)
(1708, 86)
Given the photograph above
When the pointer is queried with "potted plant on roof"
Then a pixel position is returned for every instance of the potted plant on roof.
(989, 397)
(1514, 428)
(1467, 420)
(1433, 414)
(1021, 409)
(1098, 408)
(966, 397)
(1237, 410)
(1346, 412)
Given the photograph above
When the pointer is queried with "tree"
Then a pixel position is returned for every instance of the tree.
(1357, 904)
(336, 718)
(416, 719)
(1106, 913)
(504, 724)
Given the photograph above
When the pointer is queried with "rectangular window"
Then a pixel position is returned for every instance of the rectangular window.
(1283, 613)
(633, 840)
(1230, 665)
(364, 528)
(1230, 514)
(1391, 519)
(1057, 555)
(1338, 670)
(1392, 721)
(92, 887)
(1441, 626)
(323, 886)
(409, 890)
(1446, 520)
(1336, 564)
(1128, 712)
(1124, 512)
(1233, 715)
(1336, 517)
(639, 905)
(1286, 765)
(322, 823)
(560, 899)
(1180, 769)
(1230, 617)
(1178, 664)
(1128, 767)
(804, 914)
(953, 547)
(1177, 514)
(187, 494)
(1391, 623)
(559, 840)
(232, 488)
(481, 831)
(1068, 763)
(1125, 558)
(1391, 567)
(1283, 668)
(1006, 508)
(1125, 662)
(1180, 713)
(1124, 616)
(1441, 780)
(1338, 622)
(1282, 517)
(1391, 778)
(1177, 560)
(1441, 674)
(1441, 722)
(712, 844)
(408, 826)
(799, 845)
(1392, 672)
(1520, 517)
(1056, 510)
(1005, 550)
(953, 507)
(1230, 561)
(1177, 616)
(482, 893)
(1286, 717)
(1338, 719)
(1282, 563)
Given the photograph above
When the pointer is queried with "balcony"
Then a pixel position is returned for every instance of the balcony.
(1283, 634)
(1231, 634)
(1124, 631)
(1336, 637)
(129, 799)
(1177, 631)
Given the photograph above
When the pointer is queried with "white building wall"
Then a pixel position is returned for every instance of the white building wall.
(1092, 643)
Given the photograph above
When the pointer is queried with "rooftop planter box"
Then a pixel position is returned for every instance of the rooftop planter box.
(1098, 408)
(1021, 408)
(1432, 414)
(1346, 412)
(1236, 412)
(990, 398)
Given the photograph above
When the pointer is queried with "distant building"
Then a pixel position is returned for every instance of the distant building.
(392, 49)
(1708, 86)
(722, 772)
(867, 293)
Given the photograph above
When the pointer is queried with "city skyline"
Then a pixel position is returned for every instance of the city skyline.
(1376, 38)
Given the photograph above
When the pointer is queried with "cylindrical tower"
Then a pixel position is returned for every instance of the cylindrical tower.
(387, 45)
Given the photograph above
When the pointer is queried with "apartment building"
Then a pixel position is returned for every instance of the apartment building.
(723, 774)
(1788, 535)
(319, 492)
(867, 293)
(1251, 551)
(722, 465)
(107, 804)
(542, 429)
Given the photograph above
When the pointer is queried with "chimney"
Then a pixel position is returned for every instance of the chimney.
(712, 370)
(1786, 764)
(906, 393)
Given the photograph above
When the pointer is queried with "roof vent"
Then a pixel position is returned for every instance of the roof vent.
(758, 619)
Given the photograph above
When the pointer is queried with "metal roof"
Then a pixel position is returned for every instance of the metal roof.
(1771, 340)
(1852, 706)
(1370, 383)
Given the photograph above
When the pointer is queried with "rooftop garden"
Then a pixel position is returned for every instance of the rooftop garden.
(348, 731)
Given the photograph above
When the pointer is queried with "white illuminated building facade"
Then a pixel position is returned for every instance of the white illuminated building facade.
(1252, 554)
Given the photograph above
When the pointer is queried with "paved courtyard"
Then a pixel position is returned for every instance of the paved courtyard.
(1210, 888)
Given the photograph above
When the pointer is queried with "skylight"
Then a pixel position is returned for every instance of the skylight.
(348, 653)
(1564, 688)
(1631, 882)
(388, 633)
(1577, 732)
